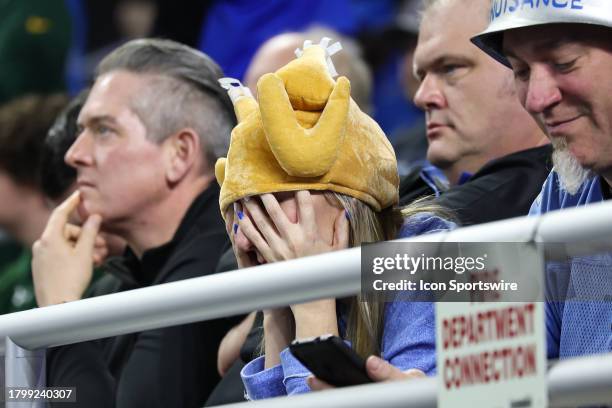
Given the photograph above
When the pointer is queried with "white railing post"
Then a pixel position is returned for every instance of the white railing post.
(277, 284)
(23, 369)
(584, 381)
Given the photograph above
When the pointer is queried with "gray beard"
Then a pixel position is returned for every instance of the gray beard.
(571, 173)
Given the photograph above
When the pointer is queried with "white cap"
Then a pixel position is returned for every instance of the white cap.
(510, 14)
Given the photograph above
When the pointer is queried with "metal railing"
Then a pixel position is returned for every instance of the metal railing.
(335, 274)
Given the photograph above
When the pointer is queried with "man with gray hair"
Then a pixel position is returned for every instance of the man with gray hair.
(151, 129)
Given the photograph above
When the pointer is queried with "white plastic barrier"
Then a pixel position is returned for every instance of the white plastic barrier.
(329, 275)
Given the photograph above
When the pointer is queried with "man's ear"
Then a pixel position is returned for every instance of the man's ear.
(183, 153)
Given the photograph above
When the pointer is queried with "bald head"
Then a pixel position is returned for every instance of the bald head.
(280, 50)
(272, 55)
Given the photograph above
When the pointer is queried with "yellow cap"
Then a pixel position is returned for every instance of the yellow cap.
(306, 134)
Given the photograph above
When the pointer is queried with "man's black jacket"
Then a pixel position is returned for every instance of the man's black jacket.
(503, 188)
(168, 367)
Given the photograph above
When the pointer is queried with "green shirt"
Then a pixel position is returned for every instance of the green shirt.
(16, 286)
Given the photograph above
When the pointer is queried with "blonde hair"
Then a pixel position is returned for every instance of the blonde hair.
(366, 312)
(364, 326)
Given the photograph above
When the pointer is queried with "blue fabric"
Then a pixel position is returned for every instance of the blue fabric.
(260, 383)
(553, 197)
(373, 15)
(392, 110)
(464, 177)
(435, 179)
(580, 325)
(75, 67)
(235, 29)
(409, 336)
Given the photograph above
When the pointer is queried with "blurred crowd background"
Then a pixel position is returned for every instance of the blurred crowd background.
(51, 47)
(54, 45)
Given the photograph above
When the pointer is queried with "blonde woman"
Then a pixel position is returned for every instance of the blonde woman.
(307, 172)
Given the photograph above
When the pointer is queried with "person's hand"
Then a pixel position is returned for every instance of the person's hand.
(73, 232)
(63, 257)
(277, 323)
(278, 239)
(378, 370)
(243, 258)
(381, 370)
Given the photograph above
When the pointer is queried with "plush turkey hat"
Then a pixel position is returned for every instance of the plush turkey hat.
(306, 133)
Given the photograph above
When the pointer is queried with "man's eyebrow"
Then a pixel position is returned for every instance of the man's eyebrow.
(96, 120)
(438, 61)
(509, 54)
(539, 46)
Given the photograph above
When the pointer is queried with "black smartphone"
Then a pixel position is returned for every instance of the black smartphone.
(331, 360)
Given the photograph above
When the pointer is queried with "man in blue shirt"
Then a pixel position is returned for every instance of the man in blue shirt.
(560, 53)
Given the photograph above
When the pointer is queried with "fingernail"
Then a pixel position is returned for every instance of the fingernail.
(235, 228)
(240, 215)
(347, 215)
(96, 219)
(375, 363)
